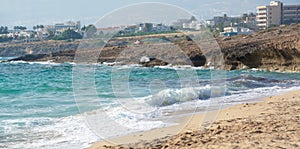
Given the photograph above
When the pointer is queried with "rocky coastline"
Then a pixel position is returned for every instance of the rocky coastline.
(275, 49)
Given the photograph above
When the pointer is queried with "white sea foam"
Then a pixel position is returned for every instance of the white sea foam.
(32, 63)
(45, 63)
(18, 62)
(69, 132)
(179, 67)
(174, 96)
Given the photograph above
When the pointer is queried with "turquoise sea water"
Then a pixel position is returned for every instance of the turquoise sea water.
(38, 109)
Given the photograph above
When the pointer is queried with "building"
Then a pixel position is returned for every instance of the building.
(59, 28)
(69, 25)
(231, 31)
(109, 30)
(291, 14)
(249, 21)
(161, 28)
(219, 22)
(23, 34)
(210, 23)
(270, 15)
(194, 25)
(276, 14)
(179, 23)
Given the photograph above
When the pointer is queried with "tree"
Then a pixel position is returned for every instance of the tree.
(193, 18)
(20, 27)
(3, 30)
(225, 16)
(70, 34)
(36, 27)
(90, 31)
(245, 15)
(251, 14)
(83, 28)
(148, 27)
(51, 34)
(210, 28)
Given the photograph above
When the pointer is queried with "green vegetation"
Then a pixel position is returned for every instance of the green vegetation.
(90, 31)
(3, 30)
(66, 35)
(20, 27)
(164, 38)
(37, 27)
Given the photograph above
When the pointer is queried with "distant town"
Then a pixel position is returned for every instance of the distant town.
(268, 16)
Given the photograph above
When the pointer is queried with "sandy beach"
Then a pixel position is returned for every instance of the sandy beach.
(272, 123)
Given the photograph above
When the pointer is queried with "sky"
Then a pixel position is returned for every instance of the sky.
(33, 12)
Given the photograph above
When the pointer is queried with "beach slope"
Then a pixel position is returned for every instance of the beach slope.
(272, 123)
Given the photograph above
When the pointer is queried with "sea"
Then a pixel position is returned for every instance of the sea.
(42, 107)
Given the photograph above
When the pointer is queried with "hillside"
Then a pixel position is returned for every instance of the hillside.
(276, 49)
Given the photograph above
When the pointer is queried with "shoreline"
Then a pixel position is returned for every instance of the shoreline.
(140, 65)
(240, 113)
(276, 49)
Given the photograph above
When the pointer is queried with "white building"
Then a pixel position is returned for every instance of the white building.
(210, 22)
(20, 33)
(59, 28)
(192, 25)
(276, 13)
(269, 15)
(160, 28)
(230, 31)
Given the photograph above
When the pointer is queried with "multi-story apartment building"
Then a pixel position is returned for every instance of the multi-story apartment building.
(276, 13)
(291, 14)
(269, 15)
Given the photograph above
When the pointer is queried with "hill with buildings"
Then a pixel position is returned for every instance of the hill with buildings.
(275, 49)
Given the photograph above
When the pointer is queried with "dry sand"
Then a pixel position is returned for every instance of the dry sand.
(273, 123)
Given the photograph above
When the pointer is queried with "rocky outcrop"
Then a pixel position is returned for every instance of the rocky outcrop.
(276, 49)
(41, 47)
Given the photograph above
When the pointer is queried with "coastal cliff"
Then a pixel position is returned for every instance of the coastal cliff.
(275, 49)
(39, 47)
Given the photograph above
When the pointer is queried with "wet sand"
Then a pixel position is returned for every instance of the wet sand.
(272, 123)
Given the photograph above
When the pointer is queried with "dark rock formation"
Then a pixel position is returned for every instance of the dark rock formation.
(154, 62)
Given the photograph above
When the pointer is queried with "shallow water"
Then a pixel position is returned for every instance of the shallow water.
(38, 109)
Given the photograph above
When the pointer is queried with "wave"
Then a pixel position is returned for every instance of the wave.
(44, 132)
(238, 85)
(180, 67)
(40, 63)
(174, 96)
(250, 82)
(31, 63)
